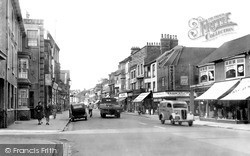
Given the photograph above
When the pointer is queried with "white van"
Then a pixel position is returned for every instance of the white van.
(175, 111)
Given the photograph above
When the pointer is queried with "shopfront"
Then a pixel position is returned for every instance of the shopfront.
(226, 101)
(122, 99)
(172, 95)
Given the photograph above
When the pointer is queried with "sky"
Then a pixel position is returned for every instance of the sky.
(95, 35)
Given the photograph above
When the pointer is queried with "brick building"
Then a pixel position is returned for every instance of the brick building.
(34, 42)
(176, 70)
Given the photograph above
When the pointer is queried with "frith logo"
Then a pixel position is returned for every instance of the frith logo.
(210, 28)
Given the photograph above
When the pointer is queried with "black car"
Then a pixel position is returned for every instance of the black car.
(78, 111)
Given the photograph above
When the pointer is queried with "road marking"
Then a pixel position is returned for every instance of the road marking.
(142, 123)
(160, 127)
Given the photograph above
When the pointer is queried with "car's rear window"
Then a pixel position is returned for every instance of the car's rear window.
(109, 100)
(179, 105)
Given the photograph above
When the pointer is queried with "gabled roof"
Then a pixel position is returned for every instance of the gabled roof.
(229, 49)
(181, 55)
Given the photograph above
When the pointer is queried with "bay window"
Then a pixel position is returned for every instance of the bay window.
(235, 68)
(23, 97)
(23, 68)
(207, 74)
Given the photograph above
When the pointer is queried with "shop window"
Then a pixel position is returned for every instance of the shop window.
(235, 68)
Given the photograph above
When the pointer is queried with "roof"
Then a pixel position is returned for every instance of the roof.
(181, 55)
(229, 49)
(153, 52)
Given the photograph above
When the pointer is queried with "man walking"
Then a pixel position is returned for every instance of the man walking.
(91, 106)
(48, 109)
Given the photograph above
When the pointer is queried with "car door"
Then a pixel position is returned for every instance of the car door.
(168, 110)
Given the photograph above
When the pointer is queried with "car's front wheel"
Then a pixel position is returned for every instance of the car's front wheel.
(162, 121)
(172, 120)
(190, 123)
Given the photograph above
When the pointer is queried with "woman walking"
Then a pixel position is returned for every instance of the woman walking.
(39, 112)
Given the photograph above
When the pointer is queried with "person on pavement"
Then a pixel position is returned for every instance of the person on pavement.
(39, 112)
(91, 106)
(48, 109)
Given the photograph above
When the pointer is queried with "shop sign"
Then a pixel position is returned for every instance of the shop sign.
(48, 80)
(184, 80)
(123, 95)
(55, 85)
(171, 94)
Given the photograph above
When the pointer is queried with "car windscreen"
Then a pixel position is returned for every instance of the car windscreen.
(179, 105)
(109, 100)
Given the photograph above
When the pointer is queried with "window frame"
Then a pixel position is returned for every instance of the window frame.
(234, 64)
(204, 71)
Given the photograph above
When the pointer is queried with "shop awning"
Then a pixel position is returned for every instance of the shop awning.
(217, 90)
(141, 97)
(241, 92)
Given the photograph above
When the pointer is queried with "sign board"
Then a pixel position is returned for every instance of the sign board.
(184, 80)
(48, 81)
(123, 95)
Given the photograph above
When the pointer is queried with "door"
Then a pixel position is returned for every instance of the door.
(169, 110)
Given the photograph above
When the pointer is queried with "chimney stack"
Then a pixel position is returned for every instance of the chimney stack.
(168, 42)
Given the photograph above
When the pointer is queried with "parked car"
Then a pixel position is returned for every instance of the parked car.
(175, 111)
(110, 106)
(77, 111)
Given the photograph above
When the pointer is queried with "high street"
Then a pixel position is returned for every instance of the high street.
(138, 135)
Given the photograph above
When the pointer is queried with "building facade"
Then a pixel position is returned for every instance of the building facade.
(34, 29)
(11, 35)
(177, 72)
(223, 86)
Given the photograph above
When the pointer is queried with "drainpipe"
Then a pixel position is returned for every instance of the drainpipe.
(5, 119)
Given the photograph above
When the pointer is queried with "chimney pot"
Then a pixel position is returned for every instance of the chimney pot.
(161, 35)
(165, 35)
(168, 36)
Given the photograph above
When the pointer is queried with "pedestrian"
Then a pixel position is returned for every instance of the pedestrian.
(91, 106)
(39, 112)
(48, 109)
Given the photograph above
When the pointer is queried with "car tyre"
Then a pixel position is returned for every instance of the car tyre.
(162, 121)
(118, 115)
(172, 120)
(180, 123)
(190, 123)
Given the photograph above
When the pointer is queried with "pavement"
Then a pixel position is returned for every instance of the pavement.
(31, 127)
(245, 127)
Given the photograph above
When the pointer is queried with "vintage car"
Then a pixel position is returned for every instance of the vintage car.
(175, 111)
(110, 106)
(77, 111)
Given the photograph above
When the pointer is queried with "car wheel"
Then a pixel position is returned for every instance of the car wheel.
(118, 115)
(190, 123)
(172, 121)
(180, 123)
(86, 118)
(162, 121)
